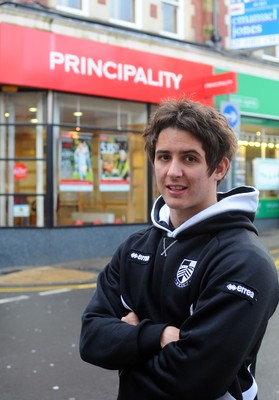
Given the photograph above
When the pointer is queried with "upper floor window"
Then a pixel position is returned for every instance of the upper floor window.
(125, 12)
(172, 15)
(271, 53)
(73, 6)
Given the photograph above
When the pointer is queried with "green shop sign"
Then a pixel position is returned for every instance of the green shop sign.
(268, 208)
(255, 95)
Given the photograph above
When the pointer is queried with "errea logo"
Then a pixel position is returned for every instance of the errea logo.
(241, 290)
(139, 257)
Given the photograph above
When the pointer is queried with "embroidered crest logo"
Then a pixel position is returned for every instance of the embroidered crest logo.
(184, 273)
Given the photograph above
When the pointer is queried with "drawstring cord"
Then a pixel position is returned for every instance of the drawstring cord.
(164, 253)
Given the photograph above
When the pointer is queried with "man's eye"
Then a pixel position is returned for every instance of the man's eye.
(163, 157)
(190, 159)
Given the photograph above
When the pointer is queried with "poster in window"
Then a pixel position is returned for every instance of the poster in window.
(114, 164)
(266, 173)
(76, 173)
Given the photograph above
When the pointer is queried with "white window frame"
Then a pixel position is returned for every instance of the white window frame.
(180, 17)
(138, 17)
(274, 58)
(83, 11)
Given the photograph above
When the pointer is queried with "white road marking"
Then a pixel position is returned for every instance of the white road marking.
(48, 292)
(10, 299)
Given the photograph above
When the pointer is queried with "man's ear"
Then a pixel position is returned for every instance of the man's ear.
(222, 168)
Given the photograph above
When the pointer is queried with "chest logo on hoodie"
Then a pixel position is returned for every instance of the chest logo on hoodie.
(139, 257)
(184, 273)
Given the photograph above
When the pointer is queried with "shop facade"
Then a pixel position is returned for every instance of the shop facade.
(72, 109)
(257, 160)
(71, 145)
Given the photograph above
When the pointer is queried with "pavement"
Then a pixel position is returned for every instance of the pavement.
(81, 274)
(84, 273)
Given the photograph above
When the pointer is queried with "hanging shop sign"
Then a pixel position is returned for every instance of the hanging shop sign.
(209, 86)
(83, 66)
(254, 23)
(114, 164)
(76, 174)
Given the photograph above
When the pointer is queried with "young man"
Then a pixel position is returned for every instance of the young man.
(183, 305)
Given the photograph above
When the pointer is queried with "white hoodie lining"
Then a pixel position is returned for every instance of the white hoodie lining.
(247, 201)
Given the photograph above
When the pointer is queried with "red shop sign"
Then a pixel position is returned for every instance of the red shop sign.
(53, 61)
(20, 171)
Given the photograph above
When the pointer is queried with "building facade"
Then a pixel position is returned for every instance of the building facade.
(79, 80)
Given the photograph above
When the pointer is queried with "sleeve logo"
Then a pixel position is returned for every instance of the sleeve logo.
(241, 290)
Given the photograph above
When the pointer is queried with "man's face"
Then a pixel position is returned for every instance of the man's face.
(181, 174)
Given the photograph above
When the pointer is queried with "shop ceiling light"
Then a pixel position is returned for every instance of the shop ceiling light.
(77, 113)
(33, 109)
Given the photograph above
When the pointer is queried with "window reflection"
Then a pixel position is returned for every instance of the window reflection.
(170, 16)
(122, 10)
(70, 3)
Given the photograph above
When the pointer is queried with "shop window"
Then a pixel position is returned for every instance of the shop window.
(100, 163)
(22, 159)
(258, 140)
(78, 111)
(172, 15)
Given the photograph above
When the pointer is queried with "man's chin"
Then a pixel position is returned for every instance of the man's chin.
(178, 205)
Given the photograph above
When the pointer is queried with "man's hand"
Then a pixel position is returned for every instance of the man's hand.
(169, 334)
(131, 318)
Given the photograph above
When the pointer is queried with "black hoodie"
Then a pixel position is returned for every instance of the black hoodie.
(211, 278)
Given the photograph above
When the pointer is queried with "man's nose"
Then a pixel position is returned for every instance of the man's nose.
(175, 168)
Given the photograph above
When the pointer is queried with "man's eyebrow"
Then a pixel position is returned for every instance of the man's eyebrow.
(162, 151)
(188, 151)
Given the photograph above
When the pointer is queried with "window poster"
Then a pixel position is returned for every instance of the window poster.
(76, 173)
(266, 173)
(114, 164)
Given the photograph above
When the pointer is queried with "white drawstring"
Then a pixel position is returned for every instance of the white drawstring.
(164, 253)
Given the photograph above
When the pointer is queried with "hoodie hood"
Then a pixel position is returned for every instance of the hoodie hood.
(237, 207)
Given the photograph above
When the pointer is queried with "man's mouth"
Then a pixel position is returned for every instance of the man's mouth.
(176, 187)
